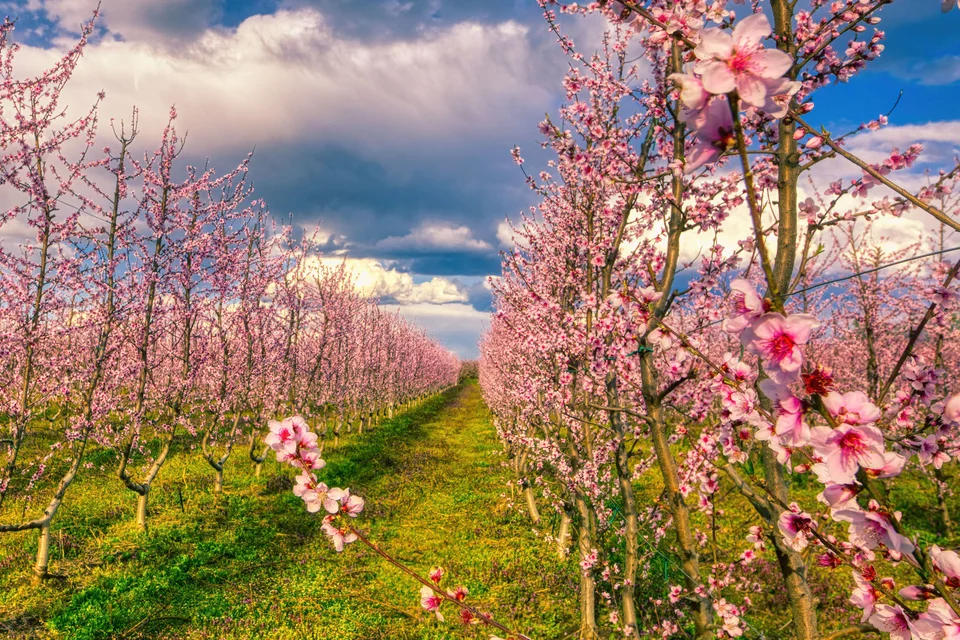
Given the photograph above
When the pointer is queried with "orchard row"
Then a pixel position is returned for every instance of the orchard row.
(147, 306)
(705, 355)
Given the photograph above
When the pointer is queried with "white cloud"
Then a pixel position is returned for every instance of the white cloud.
(457, 326)
(289, 78)
(374, 280)
(435, 236)
(505, 234)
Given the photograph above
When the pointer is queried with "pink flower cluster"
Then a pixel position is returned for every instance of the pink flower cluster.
(296, 445)
(851, 443)
(431, 597)
(729, 62)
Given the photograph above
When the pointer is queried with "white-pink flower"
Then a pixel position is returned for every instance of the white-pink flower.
(847, 448)
(796, 528)
(739, 60)
(714, 129)
(851, 408)
(864, 596)
(838, 496)
(339, 537)
(929, 451)
(947, 562)
(430, 600)
(871, 528)
(893, 464)
(316, 495)
(747, 306)
(951, 409)
(350, 504)
(938, 622)
(779, 94)
(791, 427)
(693, 97)
(311, 458)
(283, 438)
(776, 340)
(894, 620)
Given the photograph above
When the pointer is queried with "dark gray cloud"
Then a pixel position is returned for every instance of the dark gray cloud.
(388, 216)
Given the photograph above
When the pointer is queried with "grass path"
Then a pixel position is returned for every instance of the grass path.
(256, 565)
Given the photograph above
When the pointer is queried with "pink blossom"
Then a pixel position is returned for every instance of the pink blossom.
(839, 496)
(350, 504)
(818, 381)
(847, 448)
(436, 574)
(339, 537)
(755, 536)
(715, 135)
(741, 405)
(851, 408)
(311, 459)
(739, 60)
(747, 306)
(340, 500)
(796, 527)
(916, 592)
(430, 600)
(649, 294)
(283, 438)
(947, 562)
(777, 341)
(693, 97)
(316, 496)
(938, 622)
(951, 409)
(894, 620)
(791, 427)
(865, 596)
(893, 464)
(929, 451)
(779, 94)
(810, 209)
(869, 529)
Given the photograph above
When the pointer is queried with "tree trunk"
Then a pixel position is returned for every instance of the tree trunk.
(142, 510)
(531, 504)
(689, 557)
(563, 535)
(588, 587)
(625, 480)
(946, 523)
(792, 566)
(43, 555)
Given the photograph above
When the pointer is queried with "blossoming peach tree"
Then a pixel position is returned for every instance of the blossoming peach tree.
(606, 364)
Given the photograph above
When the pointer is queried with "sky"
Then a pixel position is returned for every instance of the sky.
(389, 123)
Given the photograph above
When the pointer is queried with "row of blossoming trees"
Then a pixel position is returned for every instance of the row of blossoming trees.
(151, 307)
(632, 353)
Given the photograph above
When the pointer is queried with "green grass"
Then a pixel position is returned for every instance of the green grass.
(256, 565)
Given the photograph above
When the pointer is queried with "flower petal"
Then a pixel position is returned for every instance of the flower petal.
(752, 29)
